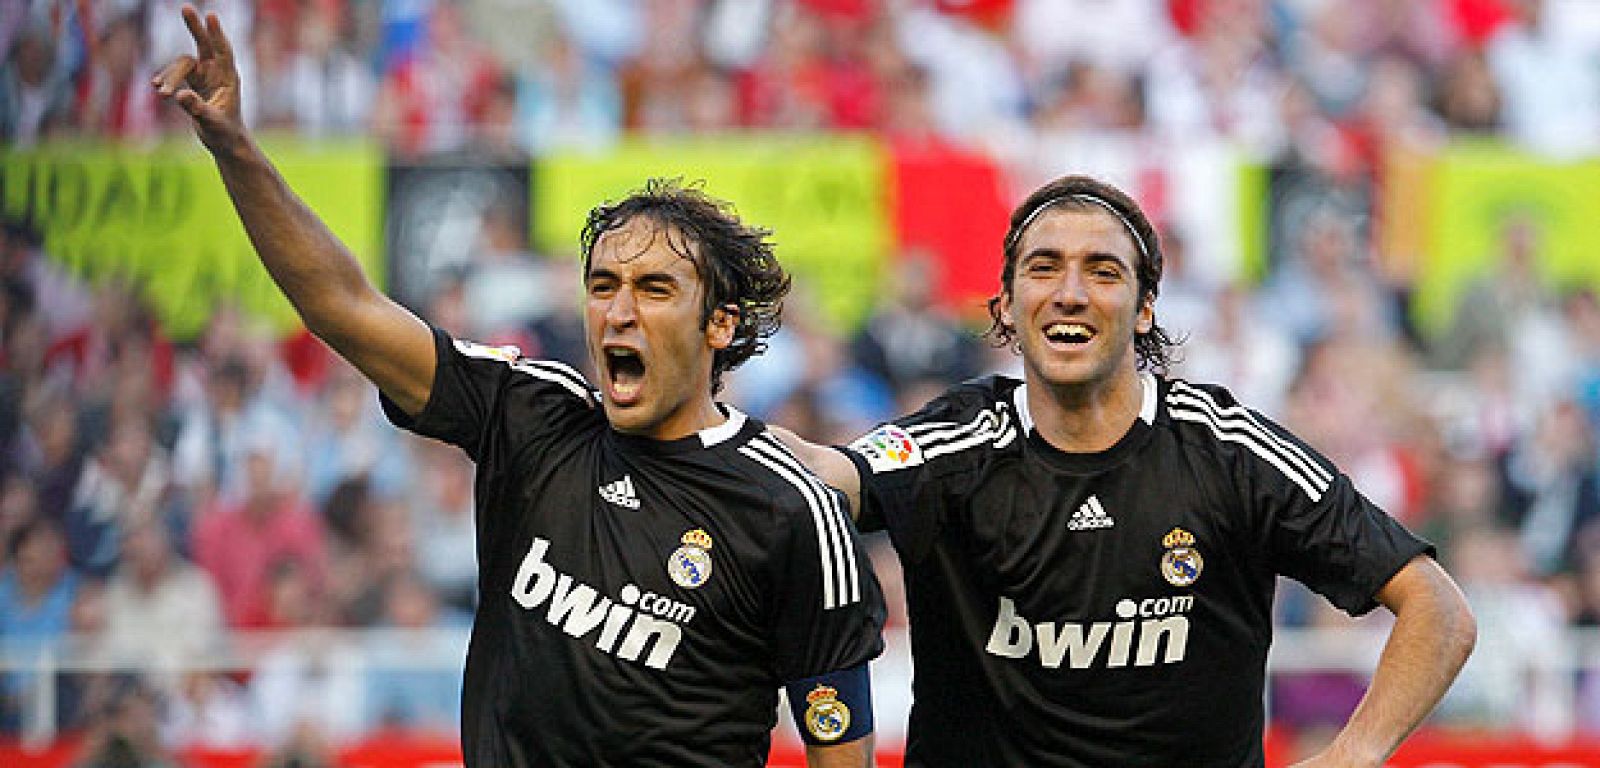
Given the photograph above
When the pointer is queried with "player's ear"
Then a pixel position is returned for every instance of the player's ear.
(1147, 314)
(1005, 309)
(719, 329)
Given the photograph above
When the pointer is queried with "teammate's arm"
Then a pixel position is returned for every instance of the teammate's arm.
(1433, 634)
(856, 754)
(826, 463)
(387, 343)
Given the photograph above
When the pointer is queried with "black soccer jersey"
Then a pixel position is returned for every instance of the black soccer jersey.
(641, 601)
(1110, 608)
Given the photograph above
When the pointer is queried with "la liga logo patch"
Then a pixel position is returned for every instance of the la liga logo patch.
(888, 448)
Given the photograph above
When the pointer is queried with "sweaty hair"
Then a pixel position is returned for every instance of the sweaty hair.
(734, 260)
(1082, 193)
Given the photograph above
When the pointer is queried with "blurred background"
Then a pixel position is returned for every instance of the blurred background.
(1381, 220)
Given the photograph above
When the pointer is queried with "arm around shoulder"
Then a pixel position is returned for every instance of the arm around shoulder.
(826, 463)
(1434, 633)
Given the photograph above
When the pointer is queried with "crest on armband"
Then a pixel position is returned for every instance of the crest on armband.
(690, 565)
(827, 718)
(1182, 563)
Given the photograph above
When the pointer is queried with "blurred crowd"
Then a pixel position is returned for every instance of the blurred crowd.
(1313, 76)
(159, 499)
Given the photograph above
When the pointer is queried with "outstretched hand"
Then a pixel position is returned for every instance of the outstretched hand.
(206, 85)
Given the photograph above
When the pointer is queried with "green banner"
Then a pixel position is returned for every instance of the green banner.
(162, 219)
(1476, 191)
(823, 198)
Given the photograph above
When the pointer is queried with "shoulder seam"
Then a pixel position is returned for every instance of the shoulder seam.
(1238, 425)
(841, 579)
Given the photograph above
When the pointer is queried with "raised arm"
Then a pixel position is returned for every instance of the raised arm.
(323, 281)
(1433, 634)
(827, 463)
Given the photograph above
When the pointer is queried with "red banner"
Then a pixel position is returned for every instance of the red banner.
(951, 204)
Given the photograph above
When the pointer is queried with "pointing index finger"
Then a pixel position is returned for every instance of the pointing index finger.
(202, 41)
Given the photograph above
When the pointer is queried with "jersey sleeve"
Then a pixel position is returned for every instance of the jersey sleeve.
(827, 610)
(1320, 530)
(917, 468)
(491, 400)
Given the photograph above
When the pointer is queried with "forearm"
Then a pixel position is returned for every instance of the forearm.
(855, 754)
(314, 270)
(1433, 635)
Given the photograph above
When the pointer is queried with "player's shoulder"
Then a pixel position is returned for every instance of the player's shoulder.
(762, 459)
(1207, 417)
(788, 486)
(967, 421)
(519, 369)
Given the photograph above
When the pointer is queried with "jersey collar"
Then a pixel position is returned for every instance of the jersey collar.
(721, 433)
(1147, 406)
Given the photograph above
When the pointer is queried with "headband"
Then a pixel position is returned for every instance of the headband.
(1083, 198)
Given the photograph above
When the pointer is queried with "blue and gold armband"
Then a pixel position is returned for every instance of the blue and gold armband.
(834, 708)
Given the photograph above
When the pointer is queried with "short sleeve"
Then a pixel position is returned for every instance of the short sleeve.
(827, 610)
(915, 469)
(484, 398)
(1322, 532)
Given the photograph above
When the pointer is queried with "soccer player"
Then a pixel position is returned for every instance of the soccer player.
(1090, 552)
(653, 566)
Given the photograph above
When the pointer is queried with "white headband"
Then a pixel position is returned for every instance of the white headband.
(1086, 198)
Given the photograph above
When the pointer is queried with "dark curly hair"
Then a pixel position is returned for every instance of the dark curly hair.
(734, 260)
(1153, 347)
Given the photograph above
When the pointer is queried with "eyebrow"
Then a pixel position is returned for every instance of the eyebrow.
(1093, 257)
(647, 279)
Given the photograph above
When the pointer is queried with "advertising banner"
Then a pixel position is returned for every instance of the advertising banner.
(162, 220)
(823, 198)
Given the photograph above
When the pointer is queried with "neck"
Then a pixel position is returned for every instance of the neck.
(697, 415)
(1085, 417)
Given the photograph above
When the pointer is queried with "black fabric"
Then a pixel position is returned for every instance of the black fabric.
(1044, 629)
(573, 660)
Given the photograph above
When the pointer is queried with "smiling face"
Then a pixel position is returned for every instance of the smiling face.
(1074, 299)
(644, 319)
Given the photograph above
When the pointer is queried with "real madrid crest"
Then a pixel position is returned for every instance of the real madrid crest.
(1181, 565)
(690, 565)
(827, 718)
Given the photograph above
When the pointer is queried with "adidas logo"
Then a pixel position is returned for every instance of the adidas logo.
(620, 493)
(1090, 516)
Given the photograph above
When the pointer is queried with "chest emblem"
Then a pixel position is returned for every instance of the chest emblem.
(620, 493)
(1091, 515)
(1182, 563)
(827, 718)
(690, 565)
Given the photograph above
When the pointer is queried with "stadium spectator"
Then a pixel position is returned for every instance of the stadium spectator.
(347, 439)
(35, 94)
(112, 98)
(126, 480)
(398, 695)
(437, 97)
(36, 594)
(240, 542)
(161, 612)
(909, 342)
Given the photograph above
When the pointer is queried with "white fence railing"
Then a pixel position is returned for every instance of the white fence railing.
(1552, 694)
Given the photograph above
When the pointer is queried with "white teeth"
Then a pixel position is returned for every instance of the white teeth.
(1068, 331)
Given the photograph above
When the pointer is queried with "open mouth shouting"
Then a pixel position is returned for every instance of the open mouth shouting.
(1069, 335)
(624, 374)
